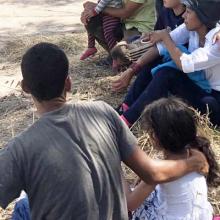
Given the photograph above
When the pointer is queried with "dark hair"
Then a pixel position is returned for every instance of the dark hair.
(45, 68)
(174, 125)
(207, 11)
(120, 51)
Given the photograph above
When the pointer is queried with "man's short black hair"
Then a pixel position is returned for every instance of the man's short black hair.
(45, 68)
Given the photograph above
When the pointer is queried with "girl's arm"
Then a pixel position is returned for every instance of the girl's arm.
(200, 59)
(136, 197)
(174, 51)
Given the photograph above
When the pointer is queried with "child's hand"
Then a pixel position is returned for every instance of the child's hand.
(90, 13)
(83, 18)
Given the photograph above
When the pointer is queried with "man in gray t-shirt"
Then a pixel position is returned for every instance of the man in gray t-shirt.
(68, 161)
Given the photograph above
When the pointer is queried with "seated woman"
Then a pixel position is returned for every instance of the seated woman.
(197, 31)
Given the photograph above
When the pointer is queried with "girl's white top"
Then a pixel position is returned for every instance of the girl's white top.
(183, 199)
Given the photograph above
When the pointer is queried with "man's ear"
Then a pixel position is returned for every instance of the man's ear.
(25, 87)
(68, 84)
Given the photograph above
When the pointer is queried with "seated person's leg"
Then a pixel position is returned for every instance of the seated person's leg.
(109, 25)
(91, 50)
(95, 28)
(212, 106)
(167, 80)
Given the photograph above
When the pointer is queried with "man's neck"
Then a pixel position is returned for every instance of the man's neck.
(179, 9)
(51, 105)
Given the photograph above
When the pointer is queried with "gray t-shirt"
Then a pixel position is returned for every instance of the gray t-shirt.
(68, 162)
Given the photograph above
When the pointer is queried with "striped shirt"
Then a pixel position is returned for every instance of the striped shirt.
(107, 3)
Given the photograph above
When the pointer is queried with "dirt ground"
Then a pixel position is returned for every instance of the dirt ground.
(19, 18)
(24, 23)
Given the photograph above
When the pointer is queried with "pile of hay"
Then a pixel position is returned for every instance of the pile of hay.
(89, 83)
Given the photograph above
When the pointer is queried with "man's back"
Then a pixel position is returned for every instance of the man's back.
(68, 162)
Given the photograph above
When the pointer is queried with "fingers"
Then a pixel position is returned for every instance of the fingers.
(117, 86)
(152, 37)
(145, 37)
(204, 168)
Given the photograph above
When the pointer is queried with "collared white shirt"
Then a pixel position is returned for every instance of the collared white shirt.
(205, 58)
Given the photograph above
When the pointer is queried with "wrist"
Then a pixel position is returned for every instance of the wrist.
(136, 68)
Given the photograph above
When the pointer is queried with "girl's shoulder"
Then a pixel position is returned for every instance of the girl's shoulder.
(189, 182)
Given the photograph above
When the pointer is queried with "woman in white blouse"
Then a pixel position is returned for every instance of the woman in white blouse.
(198, 31)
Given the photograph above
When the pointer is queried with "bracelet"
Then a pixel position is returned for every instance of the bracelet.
(135, 67)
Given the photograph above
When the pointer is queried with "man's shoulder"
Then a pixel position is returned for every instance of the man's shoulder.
(93, 106)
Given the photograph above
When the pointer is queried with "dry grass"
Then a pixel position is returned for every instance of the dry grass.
(89, 83)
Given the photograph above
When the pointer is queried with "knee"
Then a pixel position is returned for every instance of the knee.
(212, 107)
(211, 103)
(167, 72)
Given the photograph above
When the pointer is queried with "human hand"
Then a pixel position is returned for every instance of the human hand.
(199, 162)
(123, 81)
(145, 37)
(89, 5)
(89, 14)
(160, 35)
(216, 38)
(83, 18)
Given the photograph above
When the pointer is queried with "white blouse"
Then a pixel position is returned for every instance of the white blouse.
(183, 199)
(205, 58)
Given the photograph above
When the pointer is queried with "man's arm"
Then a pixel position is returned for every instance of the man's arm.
(125, 12)
(158, 171)
(10, 177)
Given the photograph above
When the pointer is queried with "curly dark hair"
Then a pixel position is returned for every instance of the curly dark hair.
(44, 69)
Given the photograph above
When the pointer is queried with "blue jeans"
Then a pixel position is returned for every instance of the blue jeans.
(147, 89)
(21, 210)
